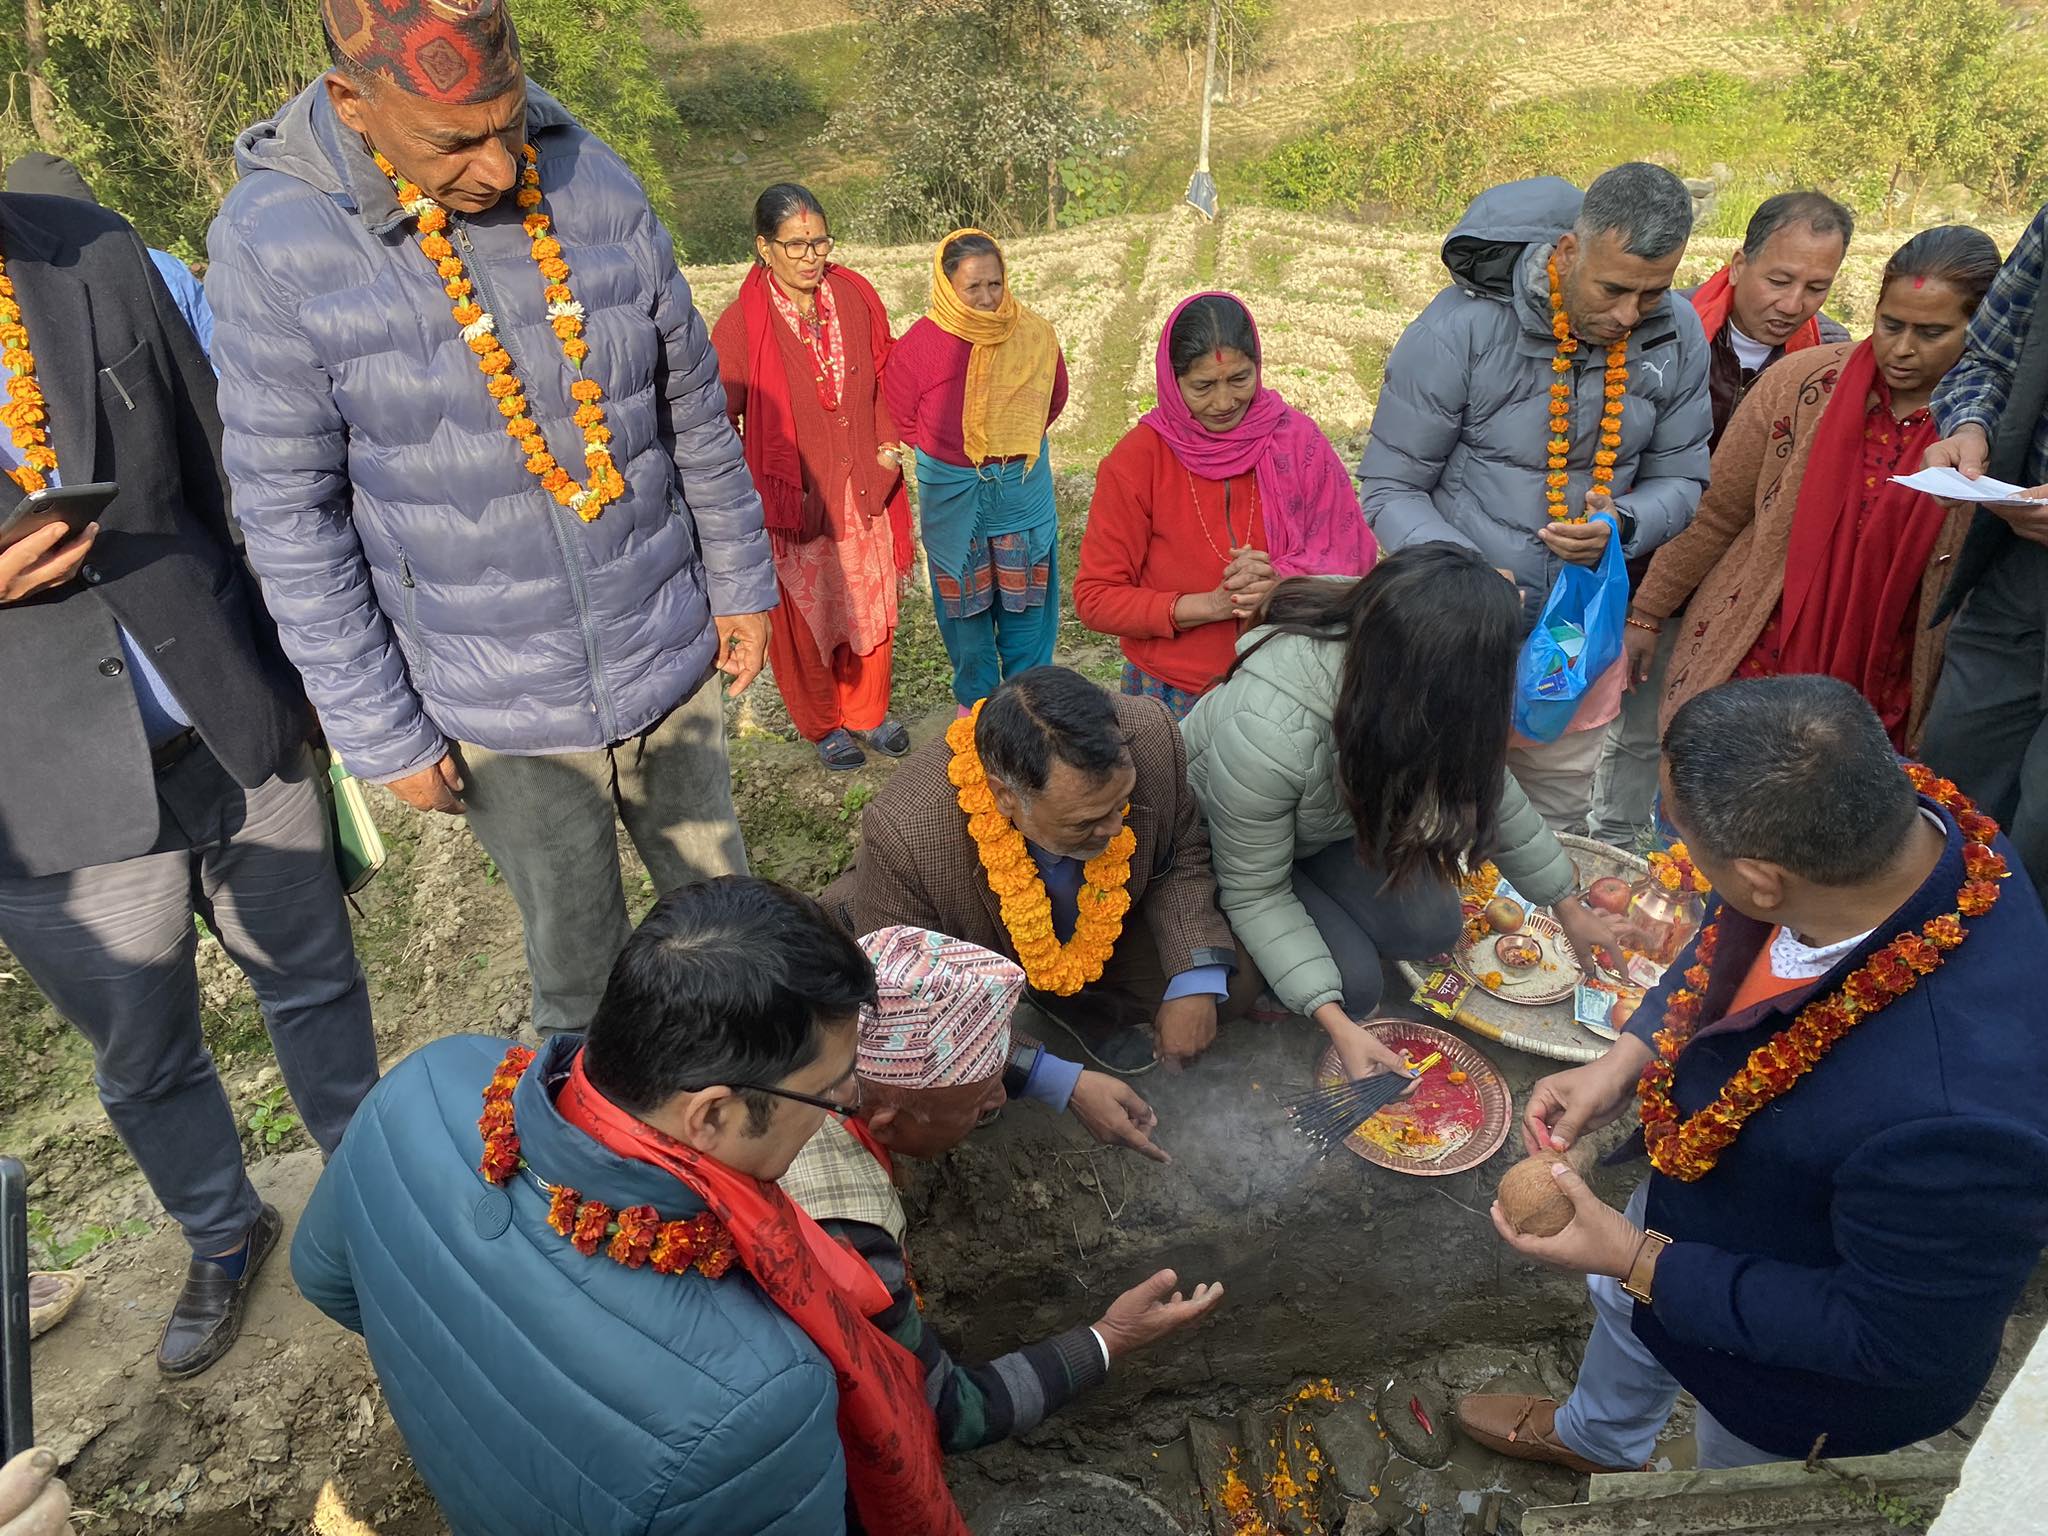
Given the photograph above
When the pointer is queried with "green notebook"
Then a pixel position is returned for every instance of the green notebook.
(358, 845)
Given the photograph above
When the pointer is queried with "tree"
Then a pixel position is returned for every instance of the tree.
(1184, 25)
(1906, 92)
(1001, 96)
(148, 96)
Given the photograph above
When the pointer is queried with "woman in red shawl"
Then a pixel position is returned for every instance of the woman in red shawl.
(1805, 556)
(800, 353)
(1218, 492)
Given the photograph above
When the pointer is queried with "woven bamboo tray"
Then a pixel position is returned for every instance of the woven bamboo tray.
(1549, 1030)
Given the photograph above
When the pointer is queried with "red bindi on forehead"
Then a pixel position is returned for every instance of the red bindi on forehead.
(1919, 282)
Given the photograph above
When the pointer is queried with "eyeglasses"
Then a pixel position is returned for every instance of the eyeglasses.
(796, 250)
(832, 1106)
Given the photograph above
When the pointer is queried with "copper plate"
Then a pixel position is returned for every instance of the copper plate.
(1496, 1104)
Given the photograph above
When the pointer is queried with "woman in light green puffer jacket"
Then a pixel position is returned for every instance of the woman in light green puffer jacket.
(1353, 758)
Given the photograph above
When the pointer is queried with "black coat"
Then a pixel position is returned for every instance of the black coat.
(131, 400)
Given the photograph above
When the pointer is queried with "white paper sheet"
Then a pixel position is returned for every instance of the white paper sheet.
(1952, 485)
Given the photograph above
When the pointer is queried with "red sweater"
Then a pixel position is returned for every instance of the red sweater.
(925, 386)
(1154, 533)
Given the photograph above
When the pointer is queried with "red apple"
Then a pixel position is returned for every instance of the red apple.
(1608, 894)
(1504, 916)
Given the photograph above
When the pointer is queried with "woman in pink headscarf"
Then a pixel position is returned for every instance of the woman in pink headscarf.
(1220, 491)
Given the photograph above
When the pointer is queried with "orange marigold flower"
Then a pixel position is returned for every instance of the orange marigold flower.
(588, 415)
(562, 1204)
(566, 326)
(1976, 898)
(1982, 863)
(484, 346)
(535, 225)
(449, 267)
(586, 391)
(555, 481)
(1943, 932)
(538, 464)
(512, 406)
(554, 269)
(639, 1226)
(522, 431)
(576, 350)
(546, 247)
(496, 362)
(527, 197)
(593, 1221)
(437, 247)
(461, 288)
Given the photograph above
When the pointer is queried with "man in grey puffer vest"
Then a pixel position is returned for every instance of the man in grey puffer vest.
(419, 402)
(1460, 439)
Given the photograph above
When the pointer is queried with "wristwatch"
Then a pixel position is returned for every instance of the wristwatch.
(1637, 1285)
(1023, 1062)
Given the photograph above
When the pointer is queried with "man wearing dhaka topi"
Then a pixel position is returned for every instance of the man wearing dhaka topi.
(480, 451)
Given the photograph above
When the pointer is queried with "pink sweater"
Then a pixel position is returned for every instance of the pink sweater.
(925, 387)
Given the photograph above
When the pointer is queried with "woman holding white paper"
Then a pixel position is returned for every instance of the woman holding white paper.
(1806, 556)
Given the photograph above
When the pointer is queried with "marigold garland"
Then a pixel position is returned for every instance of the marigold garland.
(1688, 1149)
(26, 413)
(633, 1237)
(480, 331)
(1474, 892)
(1050, 966)
(1675, 871)
(1615, 389)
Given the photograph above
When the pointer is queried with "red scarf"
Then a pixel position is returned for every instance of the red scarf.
(1850, 586)
(894, 1468)
(769, 428)
(1714, 301)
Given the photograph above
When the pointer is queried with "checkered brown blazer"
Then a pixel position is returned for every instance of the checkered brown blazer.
(918, 865)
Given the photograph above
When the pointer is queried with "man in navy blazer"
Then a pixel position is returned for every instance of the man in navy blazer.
(1844, 1268)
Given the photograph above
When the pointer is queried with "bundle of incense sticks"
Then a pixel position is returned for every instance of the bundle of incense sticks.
(1329, 1115)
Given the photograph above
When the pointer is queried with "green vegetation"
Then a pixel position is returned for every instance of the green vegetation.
(1901, 96)
(1908, 94)
(148, 95)
(271, 1122)
(47, 1250)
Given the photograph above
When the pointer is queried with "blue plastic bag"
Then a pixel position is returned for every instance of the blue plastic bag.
(1577, 637)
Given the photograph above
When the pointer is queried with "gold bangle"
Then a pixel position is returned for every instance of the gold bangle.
(1635, 623)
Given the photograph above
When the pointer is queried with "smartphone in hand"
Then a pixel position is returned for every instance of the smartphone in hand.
(17, 1414)
(75, 506)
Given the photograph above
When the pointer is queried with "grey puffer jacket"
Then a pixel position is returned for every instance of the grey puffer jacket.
(1460, 436)
(422, 581)
(1262, 757)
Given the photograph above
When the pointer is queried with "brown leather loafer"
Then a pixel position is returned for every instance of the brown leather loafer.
(207, 1320)
(1524, 1428)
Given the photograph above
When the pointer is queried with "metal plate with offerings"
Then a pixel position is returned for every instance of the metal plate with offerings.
(1460, 1113)
(1549, 1028)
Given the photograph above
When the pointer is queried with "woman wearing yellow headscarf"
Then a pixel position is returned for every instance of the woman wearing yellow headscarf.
(973, 386)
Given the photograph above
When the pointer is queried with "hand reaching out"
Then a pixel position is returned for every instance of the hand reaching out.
(1147, 1313)
(1111, 1111)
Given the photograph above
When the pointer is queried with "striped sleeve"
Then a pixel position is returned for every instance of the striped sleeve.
(976, 1405)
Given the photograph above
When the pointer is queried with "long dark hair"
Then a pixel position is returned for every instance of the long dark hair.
(1430, 636)
(1960, 255)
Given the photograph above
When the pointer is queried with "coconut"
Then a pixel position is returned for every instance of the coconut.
(1531, 1201)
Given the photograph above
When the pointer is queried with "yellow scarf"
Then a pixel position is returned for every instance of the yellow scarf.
(1010, 372)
